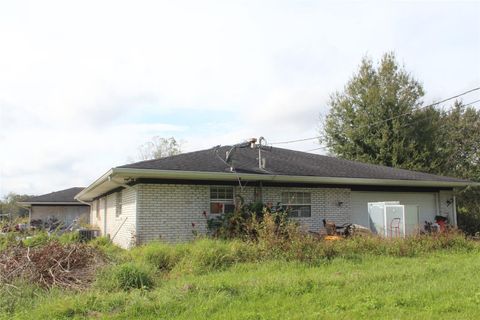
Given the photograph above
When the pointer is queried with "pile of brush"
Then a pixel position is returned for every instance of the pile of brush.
(50, 265)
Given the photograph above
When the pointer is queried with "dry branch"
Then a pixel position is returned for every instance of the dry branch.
(68, 266)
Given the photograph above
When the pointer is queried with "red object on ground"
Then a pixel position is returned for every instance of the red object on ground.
(442, 225)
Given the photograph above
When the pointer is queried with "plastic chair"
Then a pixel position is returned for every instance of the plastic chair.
(395, 227)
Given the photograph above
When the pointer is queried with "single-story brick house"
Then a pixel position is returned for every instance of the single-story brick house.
(60, 205)
(166, 198)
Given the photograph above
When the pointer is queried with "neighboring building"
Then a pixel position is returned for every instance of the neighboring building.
(167, 198)
(60, 205)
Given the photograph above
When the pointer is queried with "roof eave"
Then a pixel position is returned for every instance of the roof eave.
(103, 178)
(30, 203)
(131, 173)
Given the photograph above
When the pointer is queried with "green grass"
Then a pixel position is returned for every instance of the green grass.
(439, 285)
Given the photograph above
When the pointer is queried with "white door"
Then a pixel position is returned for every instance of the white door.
(412, 222)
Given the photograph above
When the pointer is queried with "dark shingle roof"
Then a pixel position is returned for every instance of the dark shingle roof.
(66, 195)
(282, 162)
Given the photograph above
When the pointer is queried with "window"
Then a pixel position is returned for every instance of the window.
(221, 200)
(118, 204)
(299, 204)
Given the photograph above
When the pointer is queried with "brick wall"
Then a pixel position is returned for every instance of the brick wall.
(167, 211)
(325, 205)
(121, 228)
(173, 212)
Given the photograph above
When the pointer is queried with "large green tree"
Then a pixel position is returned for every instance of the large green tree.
(370, 119)
(459, 130)
(459, 141)
(379, 118)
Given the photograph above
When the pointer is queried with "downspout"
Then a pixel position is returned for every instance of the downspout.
(455, 212)
(105, 215)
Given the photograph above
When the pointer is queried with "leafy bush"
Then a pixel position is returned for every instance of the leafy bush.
(244, 221)
(126, 276)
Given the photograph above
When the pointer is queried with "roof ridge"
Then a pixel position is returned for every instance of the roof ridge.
(167, 157)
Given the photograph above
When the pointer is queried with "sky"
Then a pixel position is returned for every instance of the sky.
(84, 83)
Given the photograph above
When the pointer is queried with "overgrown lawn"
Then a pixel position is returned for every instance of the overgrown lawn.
(423, 278)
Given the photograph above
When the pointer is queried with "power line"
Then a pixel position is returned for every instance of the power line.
(434, 115)
(385, 120)
(293, 141)
(416, 121)
(315, 149)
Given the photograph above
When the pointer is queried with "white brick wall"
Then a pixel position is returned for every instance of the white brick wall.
(324, 205)
(121, 229)
(167, 211)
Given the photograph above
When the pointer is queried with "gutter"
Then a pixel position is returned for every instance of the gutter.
(226, 176)
(94, 184)
(121, 184)
(83, 202)
(26, 205)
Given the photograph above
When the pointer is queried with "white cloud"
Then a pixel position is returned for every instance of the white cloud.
(83, 84)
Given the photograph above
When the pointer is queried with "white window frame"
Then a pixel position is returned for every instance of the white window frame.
(224, 201)
(292, 202)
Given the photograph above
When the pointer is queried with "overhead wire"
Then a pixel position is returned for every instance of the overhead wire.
(410, 123)
(385, 120)
(447, 112)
